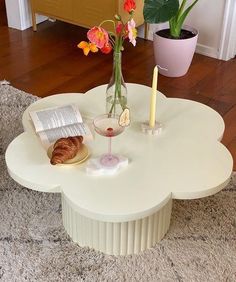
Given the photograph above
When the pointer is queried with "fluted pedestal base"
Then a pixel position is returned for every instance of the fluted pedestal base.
(116, 238)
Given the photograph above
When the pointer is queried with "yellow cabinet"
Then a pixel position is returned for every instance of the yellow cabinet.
(86, 13)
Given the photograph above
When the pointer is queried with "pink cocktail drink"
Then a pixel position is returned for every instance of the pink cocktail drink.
(108, 126)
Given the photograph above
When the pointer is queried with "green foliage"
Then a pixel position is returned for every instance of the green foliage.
(159, 11)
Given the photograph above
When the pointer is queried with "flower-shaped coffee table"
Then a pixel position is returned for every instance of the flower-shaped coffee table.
(131, 210)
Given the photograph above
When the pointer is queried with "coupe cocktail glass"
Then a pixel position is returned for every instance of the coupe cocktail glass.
(108, 125)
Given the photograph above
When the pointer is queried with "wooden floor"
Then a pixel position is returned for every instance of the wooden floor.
(47, 62)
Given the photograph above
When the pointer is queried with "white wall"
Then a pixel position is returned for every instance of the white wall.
(207, 17)
(19, 14)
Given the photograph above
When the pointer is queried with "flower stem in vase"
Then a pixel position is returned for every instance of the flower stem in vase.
(116, 93)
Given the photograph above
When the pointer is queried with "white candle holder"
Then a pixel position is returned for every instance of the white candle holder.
(147, 129)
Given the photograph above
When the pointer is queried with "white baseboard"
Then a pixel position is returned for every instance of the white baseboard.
(207, 51)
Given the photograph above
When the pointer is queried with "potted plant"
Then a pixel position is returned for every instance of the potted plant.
(173, 47)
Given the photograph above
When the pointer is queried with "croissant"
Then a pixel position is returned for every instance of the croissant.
(65, 149)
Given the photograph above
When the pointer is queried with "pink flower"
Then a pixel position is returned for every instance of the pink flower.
(129, 6)
(98, 36)
(119, 28)
(132, 32)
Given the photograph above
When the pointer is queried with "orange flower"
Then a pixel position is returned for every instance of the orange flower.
(87, 47)
(129, 6)
(98, 36)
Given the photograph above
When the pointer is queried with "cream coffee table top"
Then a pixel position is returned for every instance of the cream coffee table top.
(185, 161)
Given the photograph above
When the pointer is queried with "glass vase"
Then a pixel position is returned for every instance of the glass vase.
(116, 93)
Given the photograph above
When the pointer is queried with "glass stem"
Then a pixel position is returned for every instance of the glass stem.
(109, 146)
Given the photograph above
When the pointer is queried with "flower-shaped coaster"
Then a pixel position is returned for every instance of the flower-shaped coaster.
(157, 129)
(95, 168)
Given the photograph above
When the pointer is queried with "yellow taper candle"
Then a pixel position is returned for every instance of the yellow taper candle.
(152, 117)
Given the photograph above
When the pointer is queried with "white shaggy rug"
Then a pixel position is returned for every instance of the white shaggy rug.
(200, 245)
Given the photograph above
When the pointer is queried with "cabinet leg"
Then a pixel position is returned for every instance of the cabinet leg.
(146, 30)
(34, 21)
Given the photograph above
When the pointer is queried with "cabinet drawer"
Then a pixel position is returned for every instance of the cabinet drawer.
(58, 8)
(92, 12)
(86, 13)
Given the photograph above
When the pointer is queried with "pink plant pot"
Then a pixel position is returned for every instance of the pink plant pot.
(174, 56)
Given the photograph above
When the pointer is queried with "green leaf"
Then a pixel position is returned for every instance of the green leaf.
(158, 11)
(181, 18)
(186, 12)
(181, 9)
